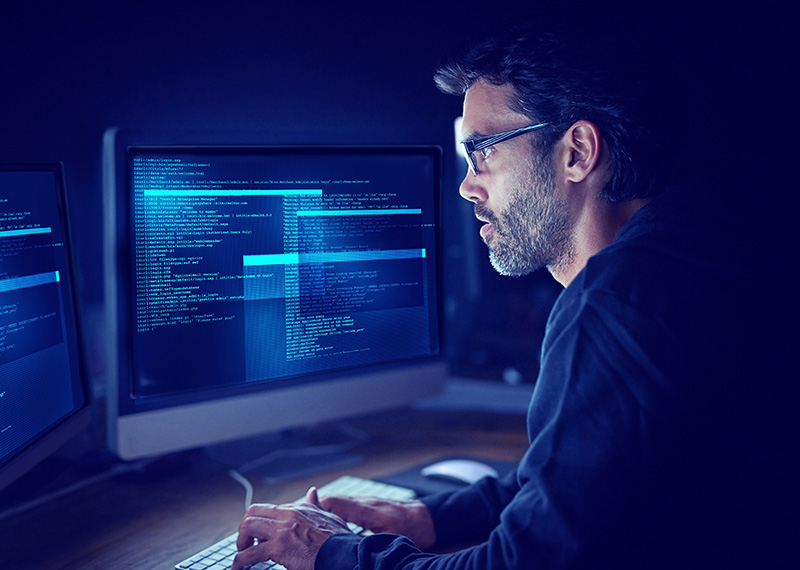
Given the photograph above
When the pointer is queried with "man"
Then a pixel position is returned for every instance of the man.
(636, 458)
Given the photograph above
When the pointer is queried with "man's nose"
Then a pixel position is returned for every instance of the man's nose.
(471, 189)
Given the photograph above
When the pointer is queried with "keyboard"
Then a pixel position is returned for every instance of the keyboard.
(219, 556)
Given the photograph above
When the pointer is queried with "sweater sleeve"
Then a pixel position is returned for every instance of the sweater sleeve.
(468, 515)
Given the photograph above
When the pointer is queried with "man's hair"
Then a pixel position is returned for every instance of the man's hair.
(555, 81)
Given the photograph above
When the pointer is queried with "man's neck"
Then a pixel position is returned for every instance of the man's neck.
(595, 228)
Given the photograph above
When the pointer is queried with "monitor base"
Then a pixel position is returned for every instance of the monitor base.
(288, 456)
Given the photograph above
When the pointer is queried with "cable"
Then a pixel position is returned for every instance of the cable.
(248, 487)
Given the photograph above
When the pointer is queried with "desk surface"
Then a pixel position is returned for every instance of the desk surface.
(183, 503)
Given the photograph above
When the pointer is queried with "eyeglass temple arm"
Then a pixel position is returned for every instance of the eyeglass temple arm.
(494, 139)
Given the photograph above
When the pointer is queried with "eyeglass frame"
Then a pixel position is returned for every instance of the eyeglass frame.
(473, 145)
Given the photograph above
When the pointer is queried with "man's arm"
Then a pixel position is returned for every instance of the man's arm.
(603, 401)
(445, 519)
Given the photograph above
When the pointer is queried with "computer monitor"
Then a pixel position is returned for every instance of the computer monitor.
(44, 398)
(254, 289)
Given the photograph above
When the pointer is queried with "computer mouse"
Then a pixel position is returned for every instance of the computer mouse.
(465, 471)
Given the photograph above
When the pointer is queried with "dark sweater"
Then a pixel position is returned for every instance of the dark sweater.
(641, 454)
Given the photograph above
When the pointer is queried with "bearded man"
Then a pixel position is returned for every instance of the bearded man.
(638, 454)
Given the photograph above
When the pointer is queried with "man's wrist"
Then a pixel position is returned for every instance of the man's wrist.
(424, 535)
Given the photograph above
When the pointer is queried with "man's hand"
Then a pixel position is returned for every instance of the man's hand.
(409, 518)
(290, 535)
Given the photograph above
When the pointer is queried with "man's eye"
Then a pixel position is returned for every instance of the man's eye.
(486, 152)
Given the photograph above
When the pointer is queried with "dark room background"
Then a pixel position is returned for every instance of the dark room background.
(282, 73)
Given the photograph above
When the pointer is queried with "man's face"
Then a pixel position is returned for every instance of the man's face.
(515, 192)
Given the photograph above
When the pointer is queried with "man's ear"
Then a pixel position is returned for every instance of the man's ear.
(584, 146)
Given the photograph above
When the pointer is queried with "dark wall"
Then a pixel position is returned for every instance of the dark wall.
(293, 72)
(297, 74)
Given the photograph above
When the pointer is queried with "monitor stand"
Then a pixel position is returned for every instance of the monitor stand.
(290, 455)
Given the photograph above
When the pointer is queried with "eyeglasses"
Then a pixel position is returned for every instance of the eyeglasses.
(474, 145)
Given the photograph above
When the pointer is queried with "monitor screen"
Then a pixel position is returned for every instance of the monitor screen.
(43, 396)
(258, 288)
